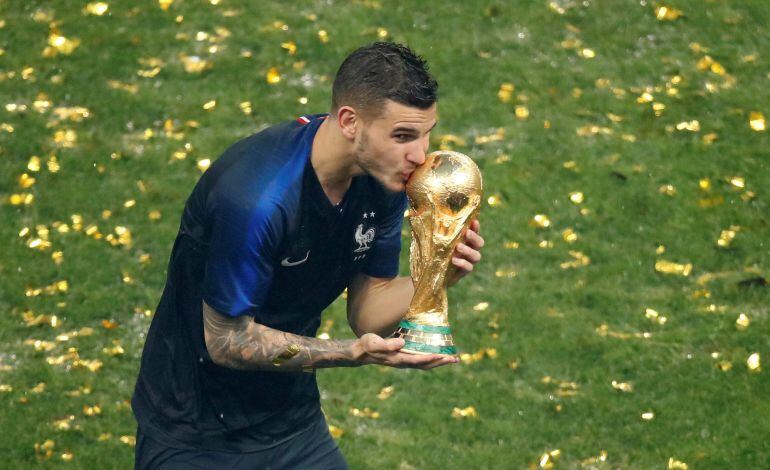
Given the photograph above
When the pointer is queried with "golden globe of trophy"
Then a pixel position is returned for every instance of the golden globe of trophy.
(444, 197)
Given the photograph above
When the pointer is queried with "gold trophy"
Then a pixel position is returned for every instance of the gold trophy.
(444, 197)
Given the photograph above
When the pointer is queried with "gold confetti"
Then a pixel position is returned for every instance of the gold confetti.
(273, 76)
(92, 365)
(40, 345)
(593, 461)
(5, 388)
(128, 440)
(589, 130)
(540, 221)
(335, 431)
(667, 13)
(577, 197)
(724, 366)
(66, 138)
(365, 413)
(753, 363)
(323, 36)
(115, 350)
(737, 182)
(692, 126)
(497, 136)
(648, 415)
(467, 412)
(742, 322)
(569, 235)
(209, 105)
(506, 273)
(604, 330)
(105, 436)
(481, 306)
(44, 450)
(467, 358)
(674, 464)
(92, 410)
(386, 392)
(495, 200)
(505, 93)
(204, 164)
(118, 85)
(669, 267)
(578, 260)
(587, 53)
(757, 121)
(30, 319)
(58, 44)
(245, 107)
(667, 189)
(548, 459)
(165, 4)
(20, 199)
(654, 316)
(291, 351)
(726, 236)
(96, 8)
(447, 140)
(289, 47)
(522, 112)
(194, 64)
(625, 387)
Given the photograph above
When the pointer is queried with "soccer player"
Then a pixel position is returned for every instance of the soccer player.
(273, 232)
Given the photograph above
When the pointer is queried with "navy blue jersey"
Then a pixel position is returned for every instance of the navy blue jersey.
(258, 237)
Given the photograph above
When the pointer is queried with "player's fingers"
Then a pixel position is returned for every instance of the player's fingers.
(441, 361)
(473, 239)
(376, 345)
(423, 361)
(468, 253)
(462, 264)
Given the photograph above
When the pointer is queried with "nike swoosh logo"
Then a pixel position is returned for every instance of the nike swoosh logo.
(286, 262)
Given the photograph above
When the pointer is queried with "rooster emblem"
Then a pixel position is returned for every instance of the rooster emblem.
(363, 238)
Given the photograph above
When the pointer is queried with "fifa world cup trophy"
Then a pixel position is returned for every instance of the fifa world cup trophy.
(444, 197)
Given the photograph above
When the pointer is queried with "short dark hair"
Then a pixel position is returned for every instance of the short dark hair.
(382, 71)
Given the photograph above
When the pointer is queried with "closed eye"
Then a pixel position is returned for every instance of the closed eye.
(404, 137)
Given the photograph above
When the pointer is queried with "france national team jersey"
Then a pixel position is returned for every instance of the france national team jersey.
(258, 237)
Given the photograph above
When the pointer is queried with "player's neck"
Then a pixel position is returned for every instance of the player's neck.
(332, 160)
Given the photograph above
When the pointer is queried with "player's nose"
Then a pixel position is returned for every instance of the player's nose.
(417, 154)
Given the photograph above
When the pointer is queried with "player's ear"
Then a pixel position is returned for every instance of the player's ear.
(348, 121)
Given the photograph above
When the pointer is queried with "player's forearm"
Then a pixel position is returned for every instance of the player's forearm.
(241, 343)
(379, 305)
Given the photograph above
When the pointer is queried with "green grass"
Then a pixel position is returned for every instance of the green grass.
(545, 317)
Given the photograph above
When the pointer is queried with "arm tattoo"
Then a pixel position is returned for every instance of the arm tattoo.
(241, 343)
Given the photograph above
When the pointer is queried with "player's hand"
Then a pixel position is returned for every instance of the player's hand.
(387, 352)
(467, 254)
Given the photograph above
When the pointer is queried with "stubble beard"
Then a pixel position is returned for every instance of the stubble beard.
(366, 161)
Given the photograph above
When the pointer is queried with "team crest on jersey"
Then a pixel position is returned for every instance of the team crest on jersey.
(364, 235)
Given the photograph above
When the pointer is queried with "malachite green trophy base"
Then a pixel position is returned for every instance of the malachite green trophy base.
(425, 339)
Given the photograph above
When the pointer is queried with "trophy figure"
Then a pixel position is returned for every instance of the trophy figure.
(444, 197)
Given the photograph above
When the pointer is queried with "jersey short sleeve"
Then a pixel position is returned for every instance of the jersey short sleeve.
(383, 261)
(239, 265)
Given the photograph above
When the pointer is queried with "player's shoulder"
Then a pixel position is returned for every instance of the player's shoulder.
(263, 171)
